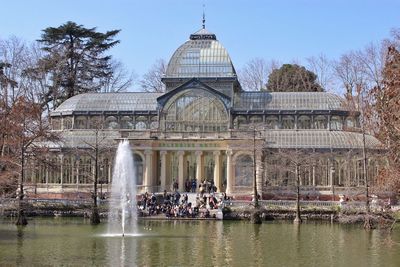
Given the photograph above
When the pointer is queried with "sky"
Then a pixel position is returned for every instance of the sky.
(283, 30)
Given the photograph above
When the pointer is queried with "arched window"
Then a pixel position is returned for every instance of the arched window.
(67, 121)
(140, 125)
(154, 123)
(56, 123)
(138, 164)
(126, 122)
(67, 171)
(195, 109)
(244, 171)
(320, 122)
(256, 120)
(336, 123)
(240, 122)
(287, 122)
(303, 122)
(112, 123)
(80, 122)
(350, 122)
(103, 171)
(96, 122)
(272, 122)
(54, 171)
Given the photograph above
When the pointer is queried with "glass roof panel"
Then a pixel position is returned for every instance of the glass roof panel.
(109, 102)
(287, 101)
(319, 139)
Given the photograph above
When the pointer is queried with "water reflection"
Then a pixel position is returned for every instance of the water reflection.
(20, 245)
(121, 251)
(200, 243)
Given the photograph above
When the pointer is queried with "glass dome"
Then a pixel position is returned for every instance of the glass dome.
(201, 56)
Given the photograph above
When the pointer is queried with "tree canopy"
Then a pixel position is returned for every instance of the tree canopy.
(293, 78)
(75, 59)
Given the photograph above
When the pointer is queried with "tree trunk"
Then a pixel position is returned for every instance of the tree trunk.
(297, 219)
(255, 217)
(21, 219)
(367, 205)
(256, 204)
(95, 217)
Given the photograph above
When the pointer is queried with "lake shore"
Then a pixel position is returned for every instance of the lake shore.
(378, 219)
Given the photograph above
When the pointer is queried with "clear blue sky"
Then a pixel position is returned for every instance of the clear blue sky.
(152, 29)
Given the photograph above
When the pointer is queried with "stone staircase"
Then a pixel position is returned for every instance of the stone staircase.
(192, 198)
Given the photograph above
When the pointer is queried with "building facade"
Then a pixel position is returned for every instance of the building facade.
(205, 127)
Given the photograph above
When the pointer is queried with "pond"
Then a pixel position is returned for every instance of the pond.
(74, 242)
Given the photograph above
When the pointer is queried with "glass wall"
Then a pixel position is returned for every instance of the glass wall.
(195, 111)
(244, 171)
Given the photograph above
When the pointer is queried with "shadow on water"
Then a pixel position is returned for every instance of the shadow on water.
(20, 245)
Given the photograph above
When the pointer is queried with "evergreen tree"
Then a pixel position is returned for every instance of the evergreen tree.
(76, 60)
(293, 78)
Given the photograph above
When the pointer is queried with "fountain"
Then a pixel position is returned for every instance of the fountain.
(122, 218)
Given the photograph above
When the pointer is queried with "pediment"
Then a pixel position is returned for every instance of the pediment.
(193, 83)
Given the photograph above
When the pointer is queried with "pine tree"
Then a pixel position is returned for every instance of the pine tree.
(76, 60)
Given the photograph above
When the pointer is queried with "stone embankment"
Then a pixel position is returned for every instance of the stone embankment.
(375, 219)
(82, 208)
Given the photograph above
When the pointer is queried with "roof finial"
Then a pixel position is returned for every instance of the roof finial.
(204, 17)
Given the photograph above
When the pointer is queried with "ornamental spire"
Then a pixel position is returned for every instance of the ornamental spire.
(204, 17)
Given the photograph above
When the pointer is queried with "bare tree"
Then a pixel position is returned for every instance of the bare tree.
(120, 80)
(32, 79)
(96, 147)
(254, 75)
(25, 130)
(151, 81)
(17, 54)
(293, 162)
(387, 108)
(323, 68)
(348, 71)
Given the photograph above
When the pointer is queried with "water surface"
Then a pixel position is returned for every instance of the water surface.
(74, 242)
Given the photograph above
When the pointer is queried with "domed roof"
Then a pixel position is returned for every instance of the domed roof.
(201, 56)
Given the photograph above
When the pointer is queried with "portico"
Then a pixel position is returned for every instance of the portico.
(179, 161)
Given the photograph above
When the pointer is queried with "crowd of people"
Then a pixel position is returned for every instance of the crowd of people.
(177, 205)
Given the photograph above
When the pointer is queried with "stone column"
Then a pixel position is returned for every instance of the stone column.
(163, 155)
(199, 168)
(61, 157)
(217, 170)
(313, 175)
(229, 172)
(77, 172)
(72, 170)
(297, 173)
(109, 173)
(259, 172)
(181, 171)
(148, 171)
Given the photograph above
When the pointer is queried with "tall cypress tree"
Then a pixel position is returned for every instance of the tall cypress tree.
(75, 60)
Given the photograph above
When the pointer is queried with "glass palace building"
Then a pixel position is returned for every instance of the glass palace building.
(205, 127)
